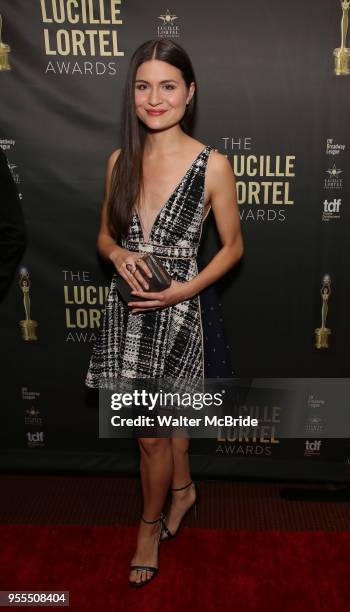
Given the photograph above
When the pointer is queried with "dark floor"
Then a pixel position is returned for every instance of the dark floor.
(112, 500)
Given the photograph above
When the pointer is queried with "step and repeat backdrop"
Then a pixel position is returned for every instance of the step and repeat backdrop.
(273, 90)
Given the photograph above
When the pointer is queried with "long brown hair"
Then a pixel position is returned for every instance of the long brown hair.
(127, 179)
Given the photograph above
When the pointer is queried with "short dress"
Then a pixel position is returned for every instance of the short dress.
(167, 342)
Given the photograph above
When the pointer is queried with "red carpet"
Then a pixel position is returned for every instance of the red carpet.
(202, 569)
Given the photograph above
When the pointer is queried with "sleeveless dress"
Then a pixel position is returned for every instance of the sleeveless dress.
(167, 342)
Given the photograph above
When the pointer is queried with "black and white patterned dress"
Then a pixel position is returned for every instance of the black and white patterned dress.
(167, 342)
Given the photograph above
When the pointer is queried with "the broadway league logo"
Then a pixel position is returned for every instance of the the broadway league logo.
(331, 210)
(322, 333)
(333, 149)
(342, 53)
(333, 181)
(312, 449)
(28, 326)
(168, 29)
(4, 51)
(30, 395)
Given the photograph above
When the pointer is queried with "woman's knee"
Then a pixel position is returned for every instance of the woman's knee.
(153, 446)
(180, 445)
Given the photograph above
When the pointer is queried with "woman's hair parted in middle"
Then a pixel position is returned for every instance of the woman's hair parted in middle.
(127, 179)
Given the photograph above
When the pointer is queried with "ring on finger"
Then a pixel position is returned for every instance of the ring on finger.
(130, 268)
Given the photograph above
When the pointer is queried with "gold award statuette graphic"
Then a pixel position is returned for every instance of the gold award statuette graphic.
(342, 53)
(4, 51)
(322, 333)
(28, 326)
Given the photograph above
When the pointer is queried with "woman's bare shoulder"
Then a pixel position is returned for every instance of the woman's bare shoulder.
(197, 144)
(220, 173)
(217, 162)
(218, 159)
(218, 165)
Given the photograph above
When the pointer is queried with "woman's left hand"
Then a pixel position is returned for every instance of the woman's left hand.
(177, 292)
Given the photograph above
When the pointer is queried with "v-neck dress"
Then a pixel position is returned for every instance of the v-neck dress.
(167, 342)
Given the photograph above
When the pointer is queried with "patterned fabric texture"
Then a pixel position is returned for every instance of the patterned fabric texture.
(166, 342)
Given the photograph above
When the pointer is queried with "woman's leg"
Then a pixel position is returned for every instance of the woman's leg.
(156, 467)
(181, 500)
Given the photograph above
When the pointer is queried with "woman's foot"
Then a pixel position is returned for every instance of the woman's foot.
(146, 551)
(181, 502)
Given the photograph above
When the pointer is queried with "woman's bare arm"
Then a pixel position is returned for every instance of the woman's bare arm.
(223, 197)
(106, 245)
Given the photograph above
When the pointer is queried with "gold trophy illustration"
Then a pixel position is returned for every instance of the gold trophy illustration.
(28, 326)
(342, 53)
(4, 51)
(322, 333)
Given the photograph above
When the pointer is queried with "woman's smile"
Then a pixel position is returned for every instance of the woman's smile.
(155, 113)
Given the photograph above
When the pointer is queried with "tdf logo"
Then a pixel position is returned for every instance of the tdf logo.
(331, 210)
(332, 207)
(312, 448)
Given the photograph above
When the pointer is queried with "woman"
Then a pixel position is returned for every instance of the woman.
(160, 186)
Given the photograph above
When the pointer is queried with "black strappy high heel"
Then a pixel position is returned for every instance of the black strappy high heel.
(149, 568)
(195, 505)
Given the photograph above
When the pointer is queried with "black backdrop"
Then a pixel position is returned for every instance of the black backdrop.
(266, 88)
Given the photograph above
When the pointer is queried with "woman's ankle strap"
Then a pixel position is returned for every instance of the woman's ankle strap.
(155, 521)
(180, 488)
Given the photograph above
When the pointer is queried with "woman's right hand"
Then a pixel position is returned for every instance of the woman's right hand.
(127, 264)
